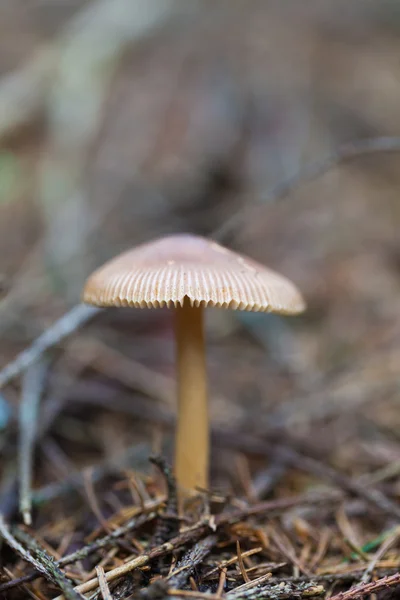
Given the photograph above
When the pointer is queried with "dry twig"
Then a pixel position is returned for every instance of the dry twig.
(32, 388)
(39, 558)
(103, 585)
(365, 589)
(167, 524)
(134, 523)
(190, 561)
(385, 546)
(197, 531)
(66, 325)
(313, 170)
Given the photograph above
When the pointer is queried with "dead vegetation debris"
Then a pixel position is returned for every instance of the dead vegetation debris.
(188, 134)
(264, 549)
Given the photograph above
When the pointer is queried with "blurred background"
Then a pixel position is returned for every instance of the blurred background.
(124, 120)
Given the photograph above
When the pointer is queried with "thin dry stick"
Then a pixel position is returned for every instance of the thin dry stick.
(115, 365)
(221, 582)
(277, 592)
(232, 560)
(192, 594)
(48, 562)
(315, 169)
(341, 577)
(190, 560)
(323, 545)
(348, 534)
(24, 587)
(193, 584)
(281, 591)
(288, 553)
(103, 542)
(168, 524)
(103, 585)
(246, 443)
(242, 568)
(193, 534)
(380, 554)
(7, 536)
(288, 456)
(365, 589)
(294, 458)
(66, 325)
(41, 561)
(136, 455)
(253, 583)
(80, 314)
(92, 499)
(372, 496)
(32, 388)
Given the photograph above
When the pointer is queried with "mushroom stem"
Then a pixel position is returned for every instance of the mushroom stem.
(192, 439)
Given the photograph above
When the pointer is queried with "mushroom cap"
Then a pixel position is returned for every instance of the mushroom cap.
(168, 270)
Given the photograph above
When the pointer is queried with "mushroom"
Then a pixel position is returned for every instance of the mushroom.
(188, 273)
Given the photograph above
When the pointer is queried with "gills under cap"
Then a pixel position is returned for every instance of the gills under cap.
(167, 271)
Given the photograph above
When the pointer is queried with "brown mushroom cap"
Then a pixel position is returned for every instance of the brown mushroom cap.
(170, 269)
